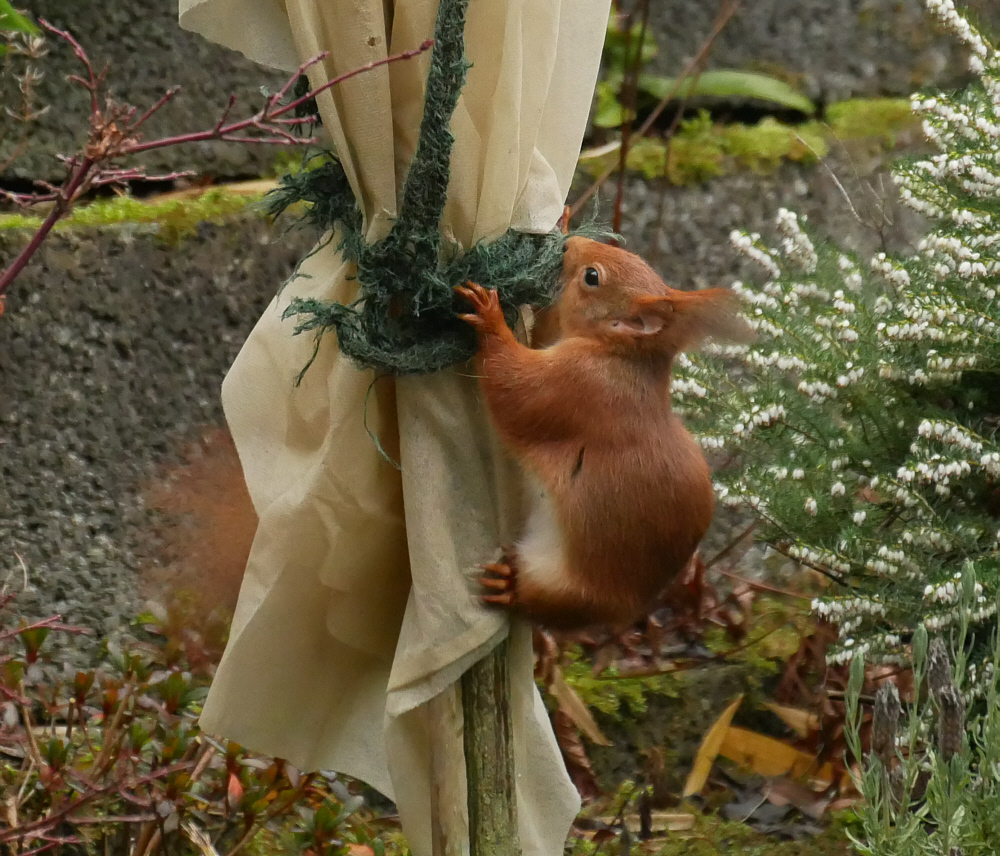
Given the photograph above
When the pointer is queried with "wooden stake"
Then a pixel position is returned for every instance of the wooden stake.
(489, 756)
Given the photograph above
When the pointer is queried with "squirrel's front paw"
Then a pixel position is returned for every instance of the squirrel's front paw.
(487, 313)
(500, 582)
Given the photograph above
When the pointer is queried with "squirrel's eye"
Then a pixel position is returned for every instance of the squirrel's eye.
(591, 277)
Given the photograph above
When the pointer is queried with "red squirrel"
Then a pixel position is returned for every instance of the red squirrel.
(619, 492)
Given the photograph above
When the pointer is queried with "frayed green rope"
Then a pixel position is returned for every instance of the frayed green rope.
(404, 318)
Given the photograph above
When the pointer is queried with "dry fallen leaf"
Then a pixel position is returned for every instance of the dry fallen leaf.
(572, 705)
(574, 755)
(802, 722)
(769, 757)
(782, 792)
(709, 749)
(664, 821)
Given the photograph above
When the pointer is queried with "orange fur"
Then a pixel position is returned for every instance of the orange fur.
(621, 492)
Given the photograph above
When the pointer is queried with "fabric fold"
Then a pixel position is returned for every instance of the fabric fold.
(359, 605)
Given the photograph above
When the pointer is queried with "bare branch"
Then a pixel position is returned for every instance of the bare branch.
(137, 174)
(114, 133)
(263, 119)
(52, 623)
(225, 113)
(167, 96)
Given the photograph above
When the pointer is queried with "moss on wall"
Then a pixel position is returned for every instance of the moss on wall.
(170, 218)
(702, 149)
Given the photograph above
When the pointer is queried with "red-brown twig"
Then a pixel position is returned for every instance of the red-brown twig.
(55, 842)
(52, 623)
(272, 111)
(114, 133)
(630, 92)
(758, 586)
(55, 818)
(692, 69)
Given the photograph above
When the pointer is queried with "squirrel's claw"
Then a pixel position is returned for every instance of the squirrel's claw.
(500, 582)
(485, 302)
(501, 569)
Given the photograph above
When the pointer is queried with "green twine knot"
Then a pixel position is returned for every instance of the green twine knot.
(403, 320)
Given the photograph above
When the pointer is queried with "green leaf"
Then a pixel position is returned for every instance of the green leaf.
(620, 46)
(609, 111)
(13, 21)
(728, 83)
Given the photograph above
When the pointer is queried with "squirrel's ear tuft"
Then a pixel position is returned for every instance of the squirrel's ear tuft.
(713, 313)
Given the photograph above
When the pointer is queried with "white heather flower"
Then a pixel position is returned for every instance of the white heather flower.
(798, 475)
(859, 517)
(796, 245)
(837, 489)
(811, 506)
(685, 386)
(746, 244)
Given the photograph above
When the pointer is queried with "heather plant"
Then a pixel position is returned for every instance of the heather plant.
(861, 424)
(111, 760)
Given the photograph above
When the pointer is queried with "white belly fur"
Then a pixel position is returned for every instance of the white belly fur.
(540, 551)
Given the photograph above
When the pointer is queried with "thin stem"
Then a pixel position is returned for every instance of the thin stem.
(726, 11)
(265, 114)
(52, 622)
(167, 96)
(763, 586)
(630, 92)
(426, 45)
(732, 545)
(62, 205)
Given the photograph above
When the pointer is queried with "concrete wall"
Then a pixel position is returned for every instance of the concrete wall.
(113, 347)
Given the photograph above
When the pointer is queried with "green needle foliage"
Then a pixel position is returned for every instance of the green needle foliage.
(861, 425)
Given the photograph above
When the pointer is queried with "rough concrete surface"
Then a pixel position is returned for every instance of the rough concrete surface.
(112, 352)
(146, 52)
(834, 49)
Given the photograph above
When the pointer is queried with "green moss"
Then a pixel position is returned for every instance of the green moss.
(13, 222)
(291, 160)
(882, 119)
(702, 150)
(762, 147)
(173, 218)
(613, 695)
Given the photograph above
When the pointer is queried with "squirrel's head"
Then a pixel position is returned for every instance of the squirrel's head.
(614, 296)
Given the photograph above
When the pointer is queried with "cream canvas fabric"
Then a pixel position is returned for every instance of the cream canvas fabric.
(358, 606)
